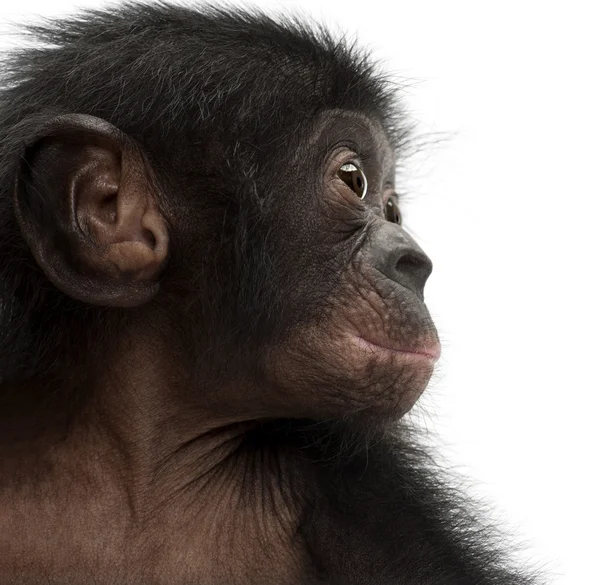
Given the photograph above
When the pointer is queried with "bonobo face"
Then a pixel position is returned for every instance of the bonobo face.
(366, 346)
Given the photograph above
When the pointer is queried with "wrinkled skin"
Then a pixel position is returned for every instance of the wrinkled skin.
(364, 348)
(372, 347)
(209, 334)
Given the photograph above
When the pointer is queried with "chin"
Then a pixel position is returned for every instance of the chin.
(393, 381)
(344, 376)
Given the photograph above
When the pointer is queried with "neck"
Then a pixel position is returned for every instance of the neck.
(136, 444)
(147, 420)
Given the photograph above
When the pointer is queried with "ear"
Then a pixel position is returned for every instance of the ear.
(87, 207)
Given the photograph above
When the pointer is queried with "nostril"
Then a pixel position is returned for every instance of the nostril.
(397, 256)
(414, 261)
(413, 268)
(409, 260)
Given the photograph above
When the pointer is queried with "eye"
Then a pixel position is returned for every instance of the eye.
(392, 213)
(354, 178)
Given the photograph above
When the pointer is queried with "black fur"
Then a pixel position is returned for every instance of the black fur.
(380, 512)
(156, 72)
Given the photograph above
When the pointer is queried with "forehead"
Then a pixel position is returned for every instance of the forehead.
(338, 126)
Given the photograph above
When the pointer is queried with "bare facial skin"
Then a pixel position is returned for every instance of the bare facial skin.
(212, 319)
(159, 466)
(373, 347)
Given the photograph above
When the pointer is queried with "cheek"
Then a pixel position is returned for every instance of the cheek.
(341, 213)
(332, 368)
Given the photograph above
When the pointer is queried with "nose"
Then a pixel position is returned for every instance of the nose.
(394, 253)
(412, 269)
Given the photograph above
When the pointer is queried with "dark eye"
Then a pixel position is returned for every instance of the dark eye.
(392, 213)
(354, 178)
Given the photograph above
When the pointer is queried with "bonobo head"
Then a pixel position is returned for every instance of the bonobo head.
(207, 200)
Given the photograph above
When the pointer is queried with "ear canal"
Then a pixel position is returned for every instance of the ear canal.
(88, 208)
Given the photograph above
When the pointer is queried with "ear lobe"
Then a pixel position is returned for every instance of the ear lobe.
(88, 209)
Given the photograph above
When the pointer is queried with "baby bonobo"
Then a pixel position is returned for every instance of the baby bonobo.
(211, 316)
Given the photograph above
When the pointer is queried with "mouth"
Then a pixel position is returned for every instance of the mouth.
(429, 352)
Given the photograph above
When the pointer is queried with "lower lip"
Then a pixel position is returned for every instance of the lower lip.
(431, 353)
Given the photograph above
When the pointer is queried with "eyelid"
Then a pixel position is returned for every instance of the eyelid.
(340, 155)
(359, 156)
(354, 159)
(389, 192)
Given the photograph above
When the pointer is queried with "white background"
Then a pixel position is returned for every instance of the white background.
(507, 205)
